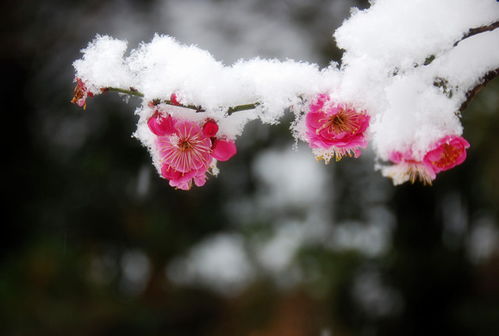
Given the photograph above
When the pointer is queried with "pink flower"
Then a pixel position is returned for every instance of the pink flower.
(185, 155)
(80, 94)
(444, 154)
(447, 153)
(188, 151)
(161, 125)
(408, 168)
(187, 148)
(335, 130)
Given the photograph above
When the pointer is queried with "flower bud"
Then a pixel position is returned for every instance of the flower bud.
(210, 128)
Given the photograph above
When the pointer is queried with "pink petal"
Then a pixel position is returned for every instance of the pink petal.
(396, 157)
(223, 150)
(200, 179)
(318, 104)
(173, 99)
(169, 173)
(161, 125)
(314, 120)
(180, 185)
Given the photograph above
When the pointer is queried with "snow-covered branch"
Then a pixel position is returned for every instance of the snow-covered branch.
(472, 93)
(408, 69)
(173, 101)
(478, 30)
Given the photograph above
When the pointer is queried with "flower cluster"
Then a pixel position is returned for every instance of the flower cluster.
(443, 155)
(335, 130)
(187, 149)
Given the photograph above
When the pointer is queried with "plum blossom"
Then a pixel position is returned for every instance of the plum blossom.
(444, 154)
(80, 94)
(188, 151)
(335, 130)
(407, 168)
(447, 153)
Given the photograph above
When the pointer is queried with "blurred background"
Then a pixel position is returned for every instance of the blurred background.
(95, 243)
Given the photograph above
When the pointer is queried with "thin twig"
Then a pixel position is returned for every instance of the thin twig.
(472, 93)
(134, 92)
(478, 30)
(244, 107)
(486, 78)
(470, 33)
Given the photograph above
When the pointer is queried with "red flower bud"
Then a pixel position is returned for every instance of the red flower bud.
(173, 99)
(210, 128)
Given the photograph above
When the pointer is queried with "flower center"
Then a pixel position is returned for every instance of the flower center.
(341, 122)
(184, 145)
(449, 155)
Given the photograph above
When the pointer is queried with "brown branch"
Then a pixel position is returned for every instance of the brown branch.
(134, 92)
(478, 30)
(471, 32)
(472, 93)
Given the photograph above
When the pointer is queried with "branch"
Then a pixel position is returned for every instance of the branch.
(439, 82)
(242, 108)
(471, 32)
(134, 92)
(478, 30)
(472, 93)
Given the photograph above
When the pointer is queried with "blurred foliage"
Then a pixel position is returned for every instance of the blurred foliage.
(76, 206)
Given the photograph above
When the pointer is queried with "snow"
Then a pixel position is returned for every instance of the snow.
(401, 33)
(464, 65)
(383, 66)
(102, 64)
